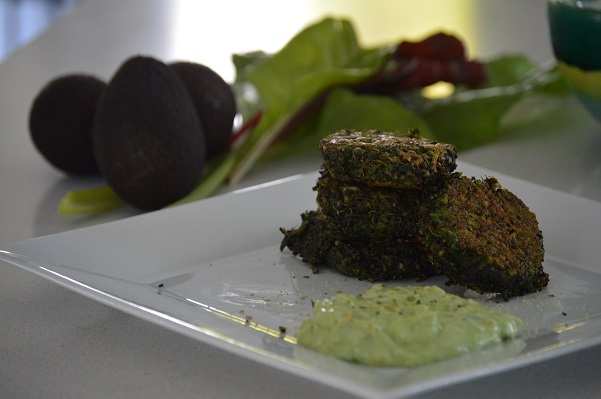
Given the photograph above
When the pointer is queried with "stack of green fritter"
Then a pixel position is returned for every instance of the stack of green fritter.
(390, 206)
(369, 199)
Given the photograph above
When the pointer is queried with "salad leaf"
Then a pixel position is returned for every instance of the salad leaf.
(472, 117)
(322, 56)
(92, 200)
(345, 109)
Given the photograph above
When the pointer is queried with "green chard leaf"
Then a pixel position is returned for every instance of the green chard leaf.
(94, 200)
(472, 117)
(324, 55)
(344, 109)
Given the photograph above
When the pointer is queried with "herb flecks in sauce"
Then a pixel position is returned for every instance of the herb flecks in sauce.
(403, 326)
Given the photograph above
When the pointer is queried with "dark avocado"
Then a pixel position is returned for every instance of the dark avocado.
(60, 122)
(148, 140)
(214, 101)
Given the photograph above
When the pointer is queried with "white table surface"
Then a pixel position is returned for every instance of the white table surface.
(57, 344)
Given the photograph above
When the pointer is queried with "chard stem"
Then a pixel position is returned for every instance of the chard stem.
(210, 183)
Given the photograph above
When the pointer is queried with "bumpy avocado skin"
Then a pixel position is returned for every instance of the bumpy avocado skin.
(214, 102)
(147, 138)
(60, 122)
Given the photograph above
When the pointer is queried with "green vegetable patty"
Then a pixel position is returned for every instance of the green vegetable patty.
(380, 159)
(318, 242)
(484, 237)
(363, 212)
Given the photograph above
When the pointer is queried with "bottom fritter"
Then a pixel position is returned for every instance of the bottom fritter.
(479, 235)
(317, 242)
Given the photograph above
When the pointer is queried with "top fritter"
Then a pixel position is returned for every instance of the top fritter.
(381, 159)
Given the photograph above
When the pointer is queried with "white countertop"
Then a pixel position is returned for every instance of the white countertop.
(57, 344)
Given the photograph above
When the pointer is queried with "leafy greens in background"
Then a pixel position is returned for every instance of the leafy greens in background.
(319, 83)
(325, 55)
(469, 118)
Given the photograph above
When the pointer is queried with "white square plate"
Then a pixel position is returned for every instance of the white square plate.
(213, 270)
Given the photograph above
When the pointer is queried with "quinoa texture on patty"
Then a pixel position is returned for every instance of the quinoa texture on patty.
(483, 237)
(317, 241)
(369, 213)
(375, 158)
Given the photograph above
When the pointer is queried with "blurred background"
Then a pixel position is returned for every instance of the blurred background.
(22, 20)
(377, 22)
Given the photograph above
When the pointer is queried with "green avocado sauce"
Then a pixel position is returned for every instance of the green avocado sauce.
(403, 326)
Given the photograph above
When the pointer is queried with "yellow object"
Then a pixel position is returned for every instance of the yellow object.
(588, 82)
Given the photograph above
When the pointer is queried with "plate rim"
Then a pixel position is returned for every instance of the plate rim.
(44, 270)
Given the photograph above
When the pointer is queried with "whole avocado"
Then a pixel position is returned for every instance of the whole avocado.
(60, 122)
(148, 140)
(214, 101)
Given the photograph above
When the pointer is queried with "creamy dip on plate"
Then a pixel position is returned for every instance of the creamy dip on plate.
(403, 326)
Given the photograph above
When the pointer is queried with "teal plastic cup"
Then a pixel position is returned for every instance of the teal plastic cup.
(575, 27)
